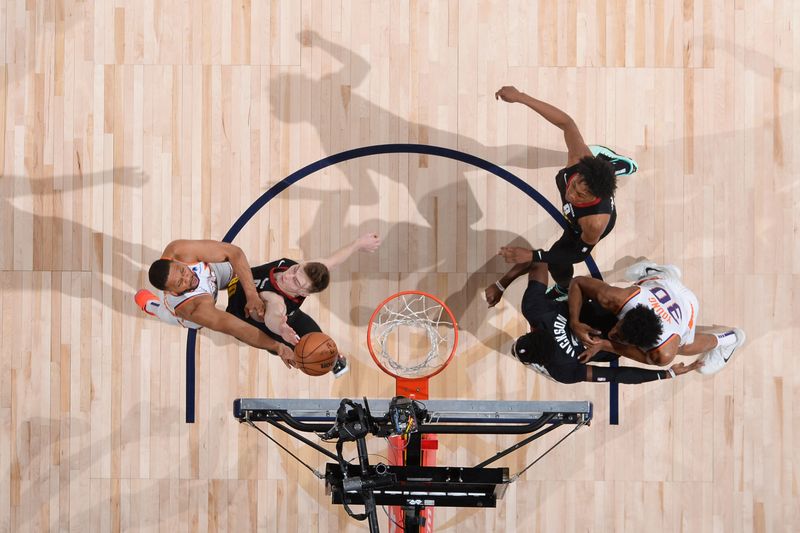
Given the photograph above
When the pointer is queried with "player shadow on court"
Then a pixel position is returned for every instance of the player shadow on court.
(404, 238)
(87, 249)
(721, 154)
(75, 454)
(742, 212)
(74, 432)
(348, 106)
(352, 73)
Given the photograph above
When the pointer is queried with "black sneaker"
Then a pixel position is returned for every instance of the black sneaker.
(340, 367)
(556, 293)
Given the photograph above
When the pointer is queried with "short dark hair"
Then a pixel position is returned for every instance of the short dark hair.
(641, 327)
(319, 275)
(534, 347)
(159, 272)
(599, 176)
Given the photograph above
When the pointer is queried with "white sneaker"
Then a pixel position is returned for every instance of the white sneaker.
(714, 360)
(646, 269)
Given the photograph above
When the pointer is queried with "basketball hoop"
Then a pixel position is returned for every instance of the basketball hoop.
(412, 336)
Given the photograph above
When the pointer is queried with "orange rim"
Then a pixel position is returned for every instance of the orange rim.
(432, 297)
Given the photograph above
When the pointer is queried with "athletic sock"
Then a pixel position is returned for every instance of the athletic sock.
(726, 338)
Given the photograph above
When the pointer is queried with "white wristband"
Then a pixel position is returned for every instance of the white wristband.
(497, 284)
(671, 373)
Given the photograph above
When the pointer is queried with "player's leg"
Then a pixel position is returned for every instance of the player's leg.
(717, 349)
(534, 300)
(535, 304)
(623, 166)
(605, 357)
(703, 342)
(561, 273)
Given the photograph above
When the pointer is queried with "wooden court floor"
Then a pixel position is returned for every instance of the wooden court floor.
(129, 123)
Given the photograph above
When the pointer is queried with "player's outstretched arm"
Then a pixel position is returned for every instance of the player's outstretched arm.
(369, 242)
(203, 311)
(192, 251)
(576, 147)
(583, 288)
(595, 345)
(494, 292)
(607, 296)
(662, 356)
(275, 317)
(358, 66)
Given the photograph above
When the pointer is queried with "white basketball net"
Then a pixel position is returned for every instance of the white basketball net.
(412, 335)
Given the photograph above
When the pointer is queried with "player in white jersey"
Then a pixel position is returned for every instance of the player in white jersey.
(675, 306)
(262, 312)
(657, 319)
(191, 272)
(210, 277)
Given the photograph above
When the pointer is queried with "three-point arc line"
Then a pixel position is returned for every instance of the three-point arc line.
(379, 149)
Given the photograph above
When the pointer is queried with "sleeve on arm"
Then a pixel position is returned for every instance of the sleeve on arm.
(568, 374)
(626, 374)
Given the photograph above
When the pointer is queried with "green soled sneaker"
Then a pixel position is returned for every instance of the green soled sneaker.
(623, 166)
(556, 293)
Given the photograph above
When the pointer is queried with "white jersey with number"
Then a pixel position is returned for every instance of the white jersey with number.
(211, 277)
(672, 302)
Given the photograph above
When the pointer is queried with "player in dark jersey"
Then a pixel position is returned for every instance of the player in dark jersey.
(290, 283)
(284, 284)
(552, 349)
(586, 186)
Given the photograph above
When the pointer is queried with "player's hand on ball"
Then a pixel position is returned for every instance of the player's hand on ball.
(286, 354)
(508, 93)
(515, 254)
(493, 295)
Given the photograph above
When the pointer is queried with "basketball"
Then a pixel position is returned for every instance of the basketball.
(315, 354)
